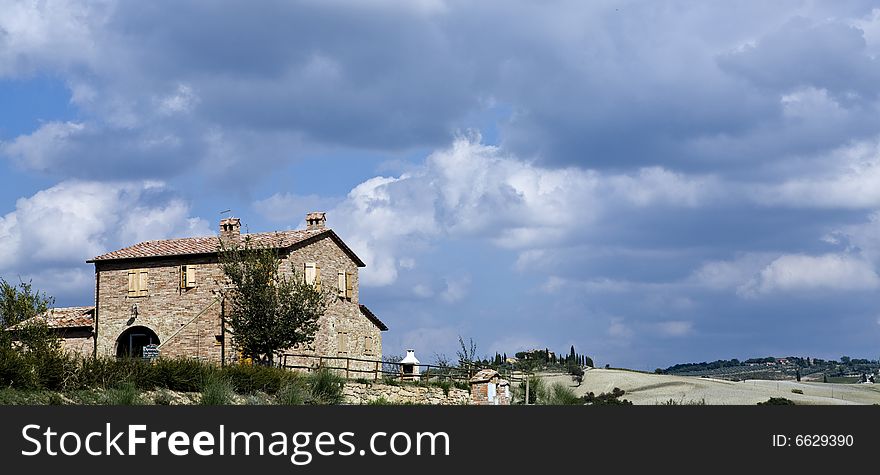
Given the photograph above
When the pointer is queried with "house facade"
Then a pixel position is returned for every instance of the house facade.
(164, 296)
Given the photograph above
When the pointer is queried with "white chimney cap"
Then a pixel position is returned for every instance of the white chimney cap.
(410, 357)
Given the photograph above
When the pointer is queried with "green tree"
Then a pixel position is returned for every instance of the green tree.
(19, 304)
(467, 353)
(266, 310)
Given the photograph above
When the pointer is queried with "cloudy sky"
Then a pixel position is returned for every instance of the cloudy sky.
(653, 182)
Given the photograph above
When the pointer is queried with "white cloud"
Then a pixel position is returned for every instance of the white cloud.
(799, 272)
(62, 226)
(619, 329)
(722, 275)
(475, 190)
(181, 101)
(674, 328)
(456, 289)
(58, 34)
(39, 149)
(848, 177)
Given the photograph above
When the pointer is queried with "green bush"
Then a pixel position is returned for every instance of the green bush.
(326, 387)
(682, 402)
(777, 401)
(607, 399)
(295, 392)
(181, 374)
(249, 379)
(126, 394)
(444, 385)
(537, 391)
(216, 391)
(561, 395)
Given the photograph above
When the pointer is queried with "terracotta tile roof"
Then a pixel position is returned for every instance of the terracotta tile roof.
(373, 318)
(209, 245)
(64, 317)
(484, 375)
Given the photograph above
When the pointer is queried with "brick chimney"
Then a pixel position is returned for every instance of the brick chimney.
(230, 229)
(316, 220)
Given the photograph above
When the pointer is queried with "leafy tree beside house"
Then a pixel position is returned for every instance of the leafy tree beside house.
(266, 310)
(19, 304)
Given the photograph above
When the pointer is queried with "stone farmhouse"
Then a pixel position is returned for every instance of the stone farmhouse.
(164, 295)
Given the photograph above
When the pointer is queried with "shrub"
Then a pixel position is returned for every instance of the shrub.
(380, 401)
(607, 399)
(216, 391)
(124, 395)
(445, 386)
(181, 374)
(248, 379)
(163, 398)
(295, 392)
(561, 395)
(537, 391)
(682, 402)
(797, 391)
(326, 387)
(55, 399)
(777, 401)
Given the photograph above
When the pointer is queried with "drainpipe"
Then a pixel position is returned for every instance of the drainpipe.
(223, 333)
(97, 301)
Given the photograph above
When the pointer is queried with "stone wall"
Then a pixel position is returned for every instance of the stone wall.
(363, 393)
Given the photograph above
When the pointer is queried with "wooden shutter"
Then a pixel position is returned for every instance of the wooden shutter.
(182, 277)
(317, 277)
(132, 283)
(349, 285)
(190, 276)
(310, 273)
(340, 283)
(368, 345)
(342, 342)
(142, 283)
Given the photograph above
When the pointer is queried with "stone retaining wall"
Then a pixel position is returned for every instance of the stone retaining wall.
(363, 393)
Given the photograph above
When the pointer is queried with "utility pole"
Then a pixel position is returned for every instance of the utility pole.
(527, 388)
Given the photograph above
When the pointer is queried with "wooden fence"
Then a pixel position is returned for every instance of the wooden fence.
(356, 368)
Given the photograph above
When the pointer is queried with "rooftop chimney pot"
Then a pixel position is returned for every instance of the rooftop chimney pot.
(230, 228)
(316, 220)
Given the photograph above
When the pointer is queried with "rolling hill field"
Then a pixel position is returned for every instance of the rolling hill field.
(645, 388)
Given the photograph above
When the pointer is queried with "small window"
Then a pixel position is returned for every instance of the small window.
(187, 277)
(313, 274)
(368, 345)
(342, 342)
(349, 285)
(137, 283)
(340, 284)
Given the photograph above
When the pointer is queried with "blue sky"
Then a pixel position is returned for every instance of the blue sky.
(652, 182)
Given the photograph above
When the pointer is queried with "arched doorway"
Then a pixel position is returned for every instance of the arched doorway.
(132, 341)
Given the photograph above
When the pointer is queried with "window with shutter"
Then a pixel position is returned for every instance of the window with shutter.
(349, 285)
(340, 284)
(342, 342)
(190, 276)
(309, 272)
(317, 277)
(132, 283)
(142, 283)
(368, 345)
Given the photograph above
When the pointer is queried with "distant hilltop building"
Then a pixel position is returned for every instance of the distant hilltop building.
(163, 296)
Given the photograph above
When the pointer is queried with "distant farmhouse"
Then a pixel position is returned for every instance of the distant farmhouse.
(164, 296)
